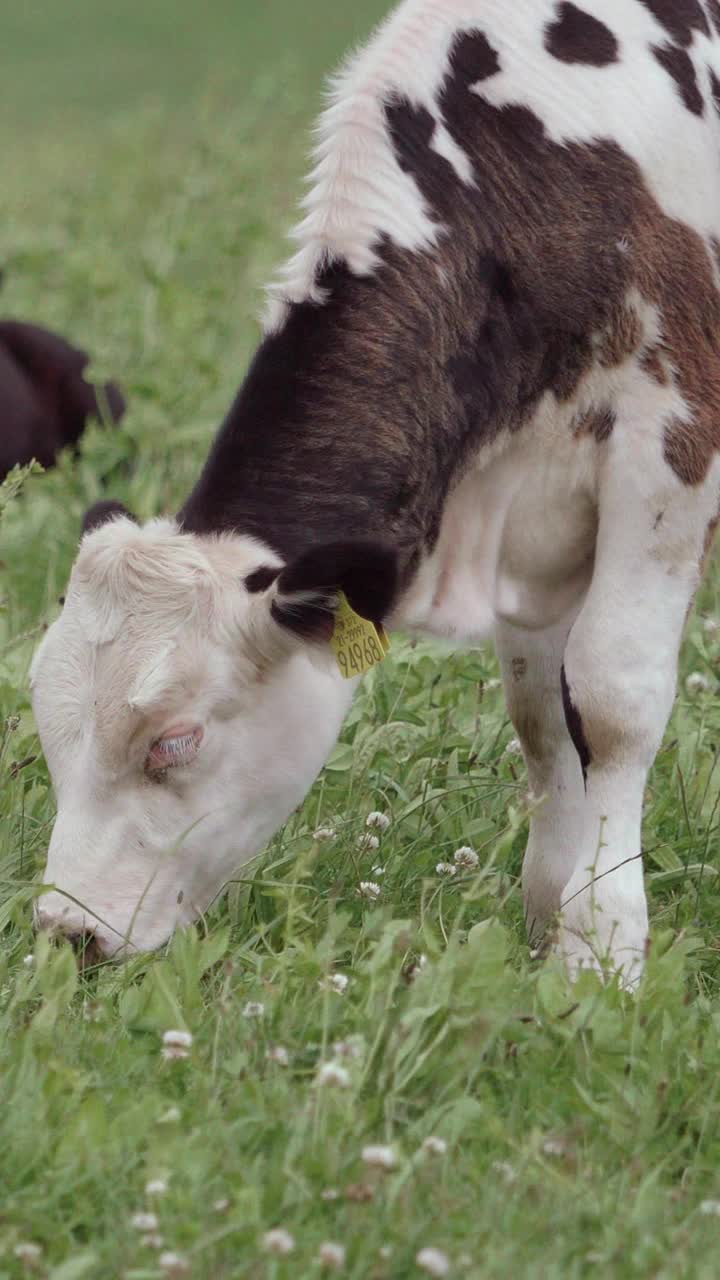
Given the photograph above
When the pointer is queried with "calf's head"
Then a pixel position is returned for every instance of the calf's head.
(186, 698)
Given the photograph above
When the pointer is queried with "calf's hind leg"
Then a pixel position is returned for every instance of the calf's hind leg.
(531, 664)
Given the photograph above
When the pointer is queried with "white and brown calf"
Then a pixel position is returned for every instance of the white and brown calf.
(487, 403)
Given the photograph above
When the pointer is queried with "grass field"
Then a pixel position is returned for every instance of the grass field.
(150, 164)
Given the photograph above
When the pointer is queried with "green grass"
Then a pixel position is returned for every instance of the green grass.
(581, 1125)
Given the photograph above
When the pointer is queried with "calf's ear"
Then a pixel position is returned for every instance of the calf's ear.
(100, 512)
(308, 589)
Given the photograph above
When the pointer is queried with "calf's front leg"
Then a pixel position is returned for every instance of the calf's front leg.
(618, 684)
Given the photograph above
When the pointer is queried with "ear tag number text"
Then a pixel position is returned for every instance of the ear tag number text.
(357, 643)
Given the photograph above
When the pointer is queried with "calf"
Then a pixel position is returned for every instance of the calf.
(487, 402)
(45, 401)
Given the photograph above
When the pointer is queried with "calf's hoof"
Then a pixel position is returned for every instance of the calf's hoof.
(605, 934)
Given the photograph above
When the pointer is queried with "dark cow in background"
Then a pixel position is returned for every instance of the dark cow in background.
(487, 404)
(45, 402)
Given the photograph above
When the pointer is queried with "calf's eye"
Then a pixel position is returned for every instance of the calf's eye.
(177, 746)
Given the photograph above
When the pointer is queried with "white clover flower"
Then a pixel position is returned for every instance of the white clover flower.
(28, 1252)
(152, 1240)
(180, 1039)
(445, 868)
(278, 1241)
(337, 982)
(174, 1264)
(29, 961)
(378, 872)
(380, 821)
(144, 1222)
(330, 1193)
(156, 1187)
(279, 1055)
(697, 683)
(369, 890)
(324, 833)
(710, 1207)
(173, 1053)
(385, 1252)
(505, 1170)
(332, 1074)
(222, 1205)
(434, 1146)
(331, 1255)
(176, 1044)
(512, 749)
(367, 843)
(554, 1147)
(253, 1009)
(379, 1157)
(171, 1116)
(434, 1262)
(466, 858)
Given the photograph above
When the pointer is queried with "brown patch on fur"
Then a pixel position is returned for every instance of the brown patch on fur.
(681, 18)
(476, 59)
(690, 316)
(679, 65)
(576, 36)
(595, 422)
(341, 426)
(685, 452)
(622, 337)
(653, 363)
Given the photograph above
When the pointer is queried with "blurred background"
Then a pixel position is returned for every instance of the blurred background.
(94, 58)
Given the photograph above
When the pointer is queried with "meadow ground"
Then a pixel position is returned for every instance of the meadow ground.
(149, 167)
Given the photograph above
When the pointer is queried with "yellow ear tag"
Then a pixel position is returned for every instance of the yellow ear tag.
(357, 644)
